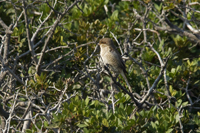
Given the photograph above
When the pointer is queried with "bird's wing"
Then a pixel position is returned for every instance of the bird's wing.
(120, 58)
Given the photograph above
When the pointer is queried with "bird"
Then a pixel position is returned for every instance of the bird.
(112, 58)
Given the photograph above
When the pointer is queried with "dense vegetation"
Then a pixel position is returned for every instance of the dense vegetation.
(52, 78)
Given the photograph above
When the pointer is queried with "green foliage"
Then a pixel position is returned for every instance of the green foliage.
(92, 116)
(41, 82)
(86, 22)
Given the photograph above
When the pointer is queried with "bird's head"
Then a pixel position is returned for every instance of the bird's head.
(106, 42)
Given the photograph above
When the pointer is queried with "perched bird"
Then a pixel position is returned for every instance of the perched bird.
(111, 57)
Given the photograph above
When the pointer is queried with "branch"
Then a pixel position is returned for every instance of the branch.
(61, 57)
(118, 84)
(174, 29)
(163, 66)
(30, 43)
(52, 32)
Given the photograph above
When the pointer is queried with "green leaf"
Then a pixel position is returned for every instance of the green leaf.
(115, 15)
(129, 109)
(188, 61)
(106, 2)
(105, 122)
(173, 70)
(86, 130)
(45, 124)
(185, 104)
(28, 131)
(169, 130)
(178, 103)
(177, 118)
(158, 7)
(170, 6)
(161, 44)
(119, 121)
(198, 113)
(54, 125)
(153, 125)
(82, 125)
(87, 101)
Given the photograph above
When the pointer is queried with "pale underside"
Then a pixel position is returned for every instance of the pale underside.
(109, 57)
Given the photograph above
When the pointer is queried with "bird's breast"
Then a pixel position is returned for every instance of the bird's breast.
(109, 56)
